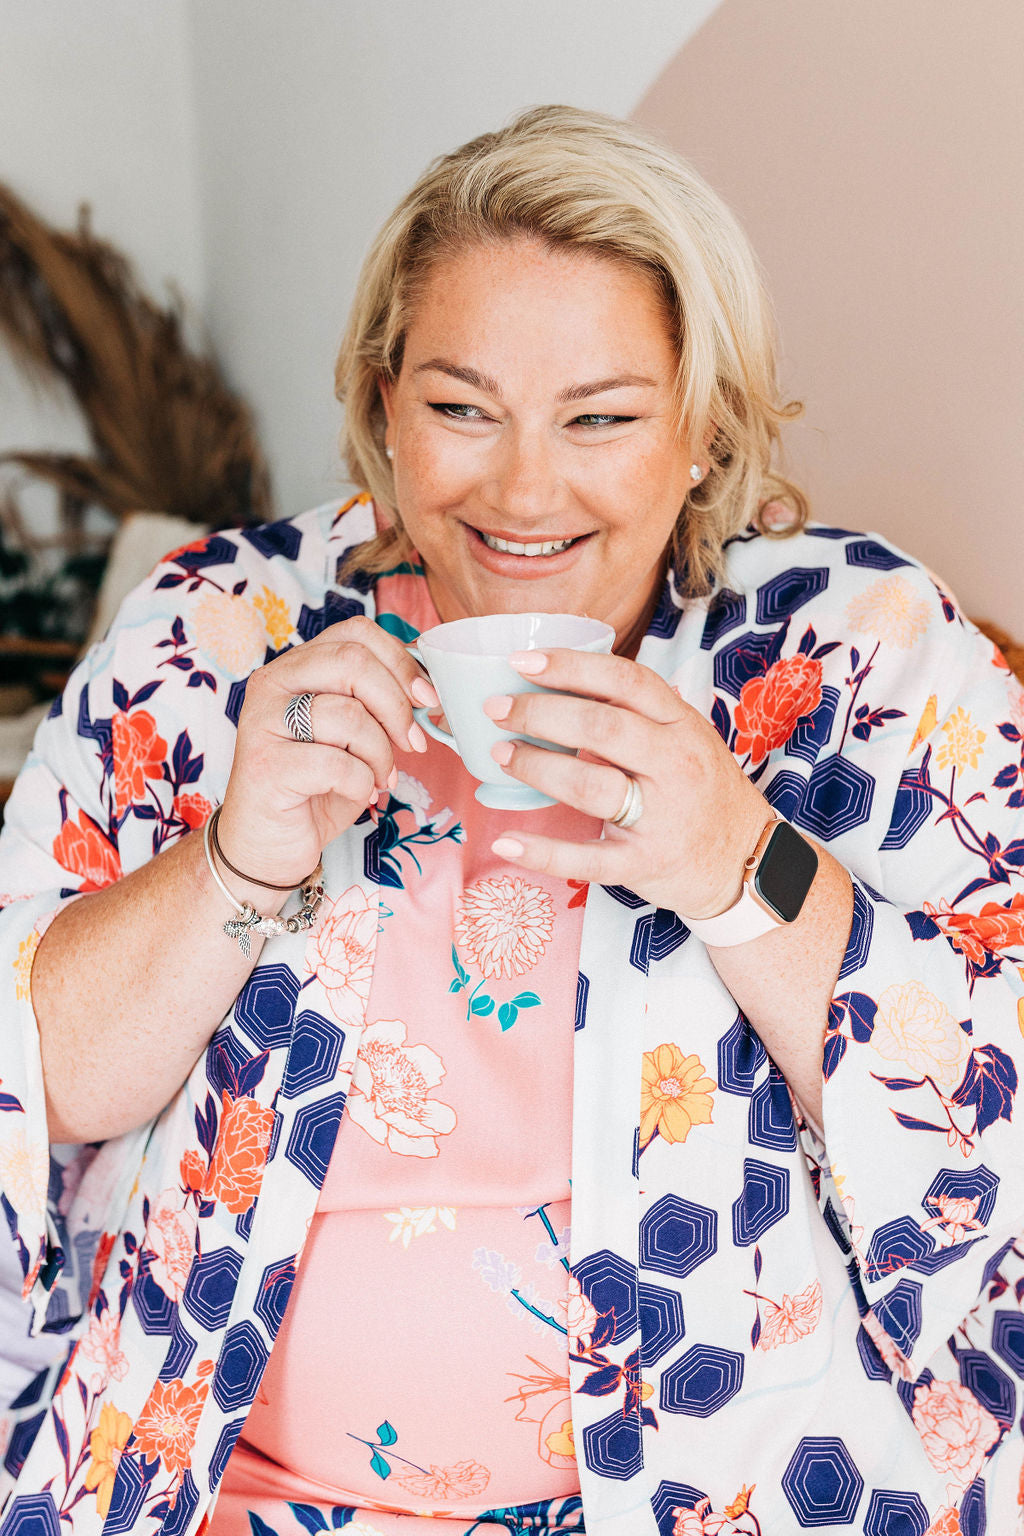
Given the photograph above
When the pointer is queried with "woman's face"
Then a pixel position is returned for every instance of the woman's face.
(534, 409)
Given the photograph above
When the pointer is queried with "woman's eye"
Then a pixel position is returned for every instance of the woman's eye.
(592, 419)
(458, 412)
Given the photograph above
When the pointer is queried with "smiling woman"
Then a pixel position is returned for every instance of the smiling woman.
(647, 1162)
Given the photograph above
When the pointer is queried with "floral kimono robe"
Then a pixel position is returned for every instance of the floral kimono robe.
(772, 1332)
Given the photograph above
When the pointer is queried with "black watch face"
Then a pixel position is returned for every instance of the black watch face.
(786, 871)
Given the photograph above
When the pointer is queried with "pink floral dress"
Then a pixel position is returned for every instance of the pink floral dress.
(450, 1179)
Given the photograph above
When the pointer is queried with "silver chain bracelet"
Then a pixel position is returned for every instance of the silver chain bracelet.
(249, 921)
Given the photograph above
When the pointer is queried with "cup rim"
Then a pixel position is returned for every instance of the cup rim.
(599, 629)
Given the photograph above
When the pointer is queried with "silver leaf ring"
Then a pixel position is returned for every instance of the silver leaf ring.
(298, 717)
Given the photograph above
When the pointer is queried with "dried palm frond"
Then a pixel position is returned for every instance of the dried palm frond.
(167, 432)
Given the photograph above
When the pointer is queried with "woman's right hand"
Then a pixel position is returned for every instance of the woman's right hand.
(286, 799)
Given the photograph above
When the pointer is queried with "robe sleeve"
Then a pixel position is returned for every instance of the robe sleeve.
(923, 1115)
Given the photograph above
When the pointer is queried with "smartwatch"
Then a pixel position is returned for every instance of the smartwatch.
(776, 879)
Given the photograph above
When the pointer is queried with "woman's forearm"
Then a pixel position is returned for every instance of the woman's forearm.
(128, 985)
(784, 980)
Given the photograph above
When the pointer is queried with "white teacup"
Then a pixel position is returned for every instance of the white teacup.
(467, 663)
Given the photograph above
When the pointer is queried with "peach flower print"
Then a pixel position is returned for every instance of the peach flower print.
(388, 1095)
(962, 746)
(957, 1216)
(22, 966)
(889, 1350)
(792, 1318)
(24, 1172)
(543, 1400)
(890, 611)
(139, 754)
(955, 1429)
(462, 1481)
(915, 1027)
(230, 631)
(167, 1425)
(236, 1168)
(504, 925)
(580, 1316)
(277, 620)
(106, 1443)
(102, 1343)
(340, 953)
(675, 1095)
(170, 1239)
(770, 706)
(83, 850)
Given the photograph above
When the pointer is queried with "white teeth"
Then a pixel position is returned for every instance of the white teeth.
(507, 547)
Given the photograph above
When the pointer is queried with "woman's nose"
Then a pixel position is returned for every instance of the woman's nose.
(527, 483)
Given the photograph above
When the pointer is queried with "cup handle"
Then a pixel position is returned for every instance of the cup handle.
(424, 721)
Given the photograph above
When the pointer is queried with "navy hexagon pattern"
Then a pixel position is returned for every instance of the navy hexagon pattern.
(1008, 1339)
(749, 655)
(899, 1312)
(669, 1496)
(770, 1120)
(911, 808)
(661, 1321)
(312, 1137)
(611, 1284)
(32, 1514)
(837, 798)
(701, 1381)
(785, 792)
(314, 1053)
(728, 610)
(655, 936)
(763, 1202)
(893, 1512)
(272, 1298)
(822, 1482)
(994, 1390)
(266, 1005)
(210, 1288)
(978, 1183)
(895, 1244)
(243, 1359)
(873, 556)
(740, 1054)
(676, 1235)
(788, 591)
(612, 1446)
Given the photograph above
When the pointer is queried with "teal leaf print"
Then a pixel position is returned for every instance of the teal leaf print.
(460, 969)
(526, 1000)
(507, 1015)
(482, 1005)
(386, 1433)
(379, 1465)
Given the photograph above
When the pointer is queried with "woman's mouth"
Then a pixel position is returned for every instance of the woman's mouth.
(535, 549)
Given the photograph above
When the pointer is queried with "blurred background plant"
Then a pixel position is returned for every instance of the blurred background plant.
(166, 432)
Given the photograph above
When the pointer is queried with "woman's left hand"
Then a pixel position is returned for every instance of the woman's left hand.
(701, 814)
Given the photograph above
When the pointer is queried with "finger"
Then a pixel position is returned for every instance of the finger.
(389, 650)
(344, 722)
(313, 768)
(608, 731)
(596, 789)
(339, 668)
(598, 863)
(614, 679)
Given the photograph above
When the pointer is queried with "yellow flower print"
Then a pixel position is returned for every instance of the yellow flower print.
(674, 1094)
(962, 746)
(276, 618)
(927, 723)
(891, 611)
(106, 1443)
(561, 1443)
(23, 966)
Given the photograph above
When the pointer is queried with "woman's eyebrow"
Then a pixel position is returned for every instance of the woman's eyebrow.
(477, 380)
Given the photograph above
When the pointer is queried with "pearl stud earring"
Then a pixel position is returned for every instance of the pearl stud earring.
(696, 473)
(389, 451)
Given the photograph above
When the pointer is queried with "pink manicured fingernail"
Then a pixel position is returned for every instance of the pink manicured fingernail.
(374, 797)
(507, 848)
(417, 740)
(502, 752)
(423, 693)
(499, 706)
(530, 662)
(393, 778)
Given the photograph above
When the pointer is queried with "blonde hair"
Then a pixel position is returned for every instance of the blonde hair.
(579, 180)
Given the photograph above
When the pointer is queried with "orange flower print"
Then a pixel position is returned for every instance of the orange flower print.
(946, 1523)
(388, 1094)
(194, 810)
(957, 1216)
(170, 1240)
(166, 1427)
(769, 707)
(674, 1094)
(955, 1429)
(543, 1400)
(102, 1343)
(340, 953)
(139, 754)
(99, 1265)
(464, 1480)
(504, 925)
(996, 927)
(792, 1318)
(83, 850)
(193, 1172)
(106, 1443)
(236, 1169)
